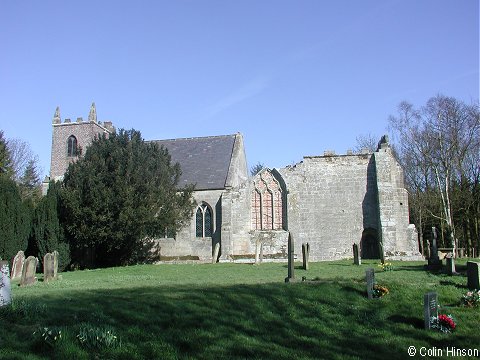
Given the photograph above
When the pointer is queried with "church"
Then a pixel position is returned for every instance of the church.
(329, 201)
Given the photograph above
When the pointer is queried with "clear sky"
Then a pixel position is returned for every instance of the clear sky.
(294, 77)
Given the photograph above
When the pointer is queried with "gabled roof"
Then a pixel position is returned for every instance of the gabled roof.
(205, 161)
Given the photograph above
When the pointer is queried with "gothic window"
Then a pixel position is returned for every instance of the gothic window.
(72, 146)
(203, 221)
(266, 203)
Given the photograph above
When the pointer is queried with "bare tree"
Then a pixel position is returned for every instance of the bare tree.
(366, 142)
(21, 155)
(438, 146)
(255, 169)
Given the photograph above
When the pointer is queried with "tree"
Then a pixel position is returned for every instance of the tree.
(366, 142)
(30, 182)
(21, 157)
(15, 219)
(255, 169)
(439, 147)
(5, 157)
(47, 233)
(121, 192)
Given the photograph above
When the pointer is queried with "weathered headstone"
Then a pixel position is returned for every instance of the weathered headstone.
(291, 259)
(5, 287)
(216, 251)
(29, 270)
(434, 262)
(370, 278)
(430, 308)
(356, 255)
(17, 265)
(306, 255)
(473, 269)
(48, 265)
(55, 264)
(258, 252)
(450, 265)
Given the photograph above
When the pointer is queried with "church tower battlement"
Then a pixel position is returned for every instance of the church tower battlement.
(71, 139)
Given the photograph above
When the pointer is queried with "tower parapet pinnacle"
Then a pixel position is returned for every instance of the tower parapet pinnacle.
(56, 118)
(92, 116)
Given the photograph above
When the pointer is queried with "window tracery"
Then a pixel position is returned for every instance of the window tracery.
(267, 203)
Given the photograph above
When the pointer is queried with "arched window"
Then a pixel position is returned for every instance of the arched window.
(266, 203)
(72, 146)
(203, 221)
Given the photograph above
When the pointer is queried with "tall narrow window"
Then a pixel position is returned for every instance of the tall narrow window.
(267, 206)
(72, 146)
(203, 221)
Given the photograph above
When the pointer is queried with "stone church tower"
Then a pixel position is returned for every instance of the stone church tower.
(70, 139)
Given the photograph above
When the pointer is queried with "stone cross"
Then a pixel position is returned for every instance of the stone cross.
(356, 255)
(17, 265)
(29, 270)
(48, 267)
(306, 255)
(291, 259)
(370, 277)
(216, 251)
(473, 269)
(430, 308)
(5, 286)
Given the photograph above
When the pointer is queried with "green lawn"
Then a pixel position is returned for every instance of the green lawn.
(233, 311)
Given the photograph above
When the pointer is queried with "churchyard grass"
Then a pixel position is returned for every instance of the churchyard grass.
(233, 311)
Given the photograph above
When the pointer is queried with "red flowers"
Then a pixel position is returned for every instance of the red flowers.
(446, 321)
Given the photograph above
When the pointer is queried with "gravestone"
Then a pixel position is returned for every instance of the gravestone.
(55, 264)
(356, 255)
(306, 255)
(29, 270)
(5, 287)
(17, 265)
(430, 308)
(370, 278)
(450, 266)
(473, 269)
(48, 265)
(434, 262)
(291, 259)
(216, 251)
(258, 252)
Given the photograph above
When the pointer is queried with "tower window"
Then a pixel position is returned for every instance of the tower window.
(72, 146)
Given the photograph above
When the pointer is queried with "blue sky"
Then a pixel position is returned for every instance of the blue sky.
(295, 77)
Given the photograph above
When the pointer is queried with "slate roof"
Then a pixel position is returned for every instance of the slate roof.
(204, 160)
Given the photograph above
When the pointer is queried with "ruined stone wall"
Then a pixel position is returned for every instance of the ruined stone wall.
(398, 237)
(331, 200)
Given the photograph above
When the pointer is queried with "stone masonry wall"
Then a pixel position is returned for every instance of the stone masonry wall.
(331, 200)
(85, 132)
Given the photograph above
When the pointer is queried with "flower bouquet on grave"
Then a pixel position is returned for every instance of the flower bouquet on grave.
(386, 266)
(379, 291)
(444, 323)
(471, 298)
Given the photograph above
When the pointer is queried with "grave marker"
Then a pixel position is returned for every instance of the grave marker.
(48, 265)
(356, 255)
(473, 269)
(430, 308)
(216, 251)
(370, 277)
(291, 259)
(55, 264)
(306, 255)
(434, 262)
(450, 266)
(29, 270)
(5, 286)
(17, 265)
